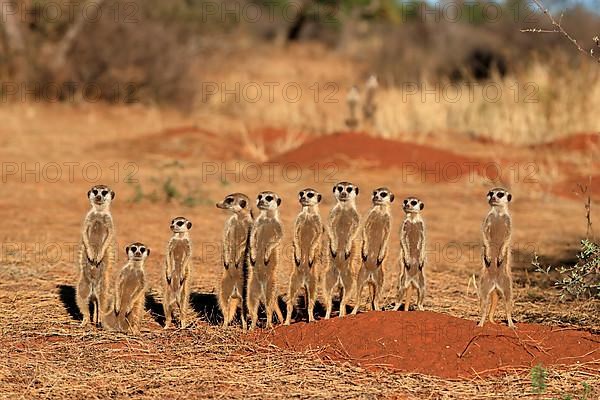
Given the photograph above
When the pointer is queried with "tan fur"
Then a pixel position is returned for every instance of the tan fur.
(96, 257)
(178, 265)
(265, 243)
(127, 308)
(495, 278)
(412, 256)
(235, 256)
(375, 241)
(343, 254)
(308, 232)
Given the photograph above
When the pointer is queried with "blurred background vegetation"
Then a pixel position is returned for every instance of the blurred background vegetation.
(160, 52)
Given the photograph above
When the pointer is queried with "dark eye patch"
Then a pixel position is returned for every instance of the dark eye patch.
(142, 249)
(405, 202)
(133, 249)
(301, 194)
(104, 192)
(260, 196)
(349, 189)
(340, 189)
(180, 223)
(374, 193)
(500, 195)
(414, 202)
(490, 194)
(383, 194)
(310, 195)
(95, 192)
(229, 200)
(269, 198)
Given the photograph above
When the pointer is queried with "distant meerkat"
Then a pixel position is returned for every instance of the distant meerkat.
(369, 106)
(96, 255)
(265, 242)
(178, 267)
(375, 241)
(236, 253)
(308, 232)
(125, 313)
(495, 278)
(412, 254)
(352, 100)
(343, 229)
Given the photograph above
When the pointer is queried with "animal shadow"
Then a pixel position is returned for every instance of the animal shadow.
(206, 306)
(155, 307)
(67, 294)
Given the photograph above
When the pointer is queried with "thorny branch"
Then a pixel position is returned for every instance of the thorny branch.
(558, 28)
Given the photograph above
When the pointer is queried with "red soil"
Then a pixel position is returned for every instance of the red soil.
(438, 344)
(570, 188)
(425, 162)
(578, 142)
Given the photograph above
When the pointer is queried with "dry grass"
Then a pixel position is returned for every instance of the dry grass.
(45, 354)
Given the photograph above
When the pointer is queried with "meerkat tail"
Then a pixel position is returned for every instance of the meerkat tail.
(493, 304)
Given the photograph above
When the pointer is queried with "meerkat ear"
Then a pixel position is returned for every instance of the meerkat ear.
(89, 192)
(422, 206)
(356, 190)
(243, 203)
(112, 195)
(189, 225)
(392, 197)
(334, 189)
(278, 201)
(509, 197)
(319, 197)
(147, 251)
(127, 250)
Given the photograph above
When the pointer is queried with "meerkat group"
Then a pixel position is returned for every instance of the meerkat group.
(343, 253)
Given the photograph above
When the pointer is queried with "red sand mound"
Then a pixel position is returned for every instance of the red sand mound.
(425, 162)
(438, 344)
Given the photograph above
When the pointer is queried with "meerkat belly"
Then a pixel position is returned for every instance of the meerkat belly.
(307, 238)
(376, 236)
(98, 231)
(266, 236)
(499, 234)
(343, 226)
(180, 252)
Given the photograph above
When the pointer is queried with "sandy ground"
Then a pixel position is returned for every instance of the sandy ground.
(162, 164)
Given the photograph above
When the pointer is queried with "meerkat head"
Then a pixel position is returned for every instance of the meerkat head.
(353, 96)
(499, 197)
(412, 205)
(100, 196)
(235, 202)
(382, 195)
(180, 225)
(268, 201)
(345, 191)
(137, 251)
(309, 197)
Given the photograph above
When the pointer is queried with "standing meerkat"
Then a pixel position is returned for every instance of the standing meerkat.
(178, 267)
(412, 254)
(495, 278)
(343, 229)
(96, 255)
(375, 241)
(308, 232)
(265, 242)
(236, 248)
(127, 309)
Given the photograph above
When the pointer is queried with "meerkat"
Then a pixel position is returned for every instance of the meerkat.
(352, 99)
(308, 232)
(125, 314)
(178, 267)
(96, 255)
(265, 242)
(369, 106)
(236, 245)
(412, 254)
(343, 229)
(375, 241)
(495, 278)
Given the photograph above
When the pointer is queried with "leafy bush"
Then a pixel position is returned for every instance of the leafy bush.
(581, 280)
